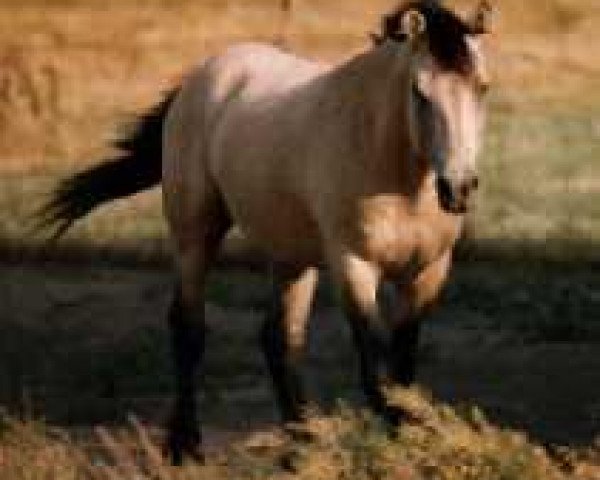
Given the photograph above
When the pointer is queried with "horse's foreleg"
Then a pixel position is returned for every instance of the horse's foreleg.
(284, 336)
(359, 282)
(416, 299)
(403, 352)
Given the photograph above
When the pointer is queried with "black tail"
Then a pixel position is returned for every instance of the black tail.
(137, 167)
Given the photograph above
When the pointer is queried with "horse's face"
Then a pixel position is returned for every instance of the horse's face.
(448, 117)
(447, 111)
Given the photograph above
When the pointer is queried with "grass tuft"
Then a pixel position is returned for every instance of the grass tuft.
(438, 442)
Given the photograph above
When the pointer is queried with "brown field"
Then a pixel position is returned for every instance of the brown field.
(82, 337)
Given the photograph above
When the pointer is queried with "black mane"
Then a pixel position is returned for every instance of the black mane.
(446, 33)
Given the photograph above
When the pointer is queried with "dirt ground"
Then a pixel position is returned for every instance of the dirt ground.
(85, 345)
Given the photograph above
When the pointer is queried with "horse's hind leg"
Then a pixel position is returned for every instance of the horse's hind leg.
(284, 336)
(197, 243)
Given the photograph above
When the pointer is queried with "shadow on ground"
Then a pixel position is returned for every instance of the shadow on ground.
(84, 342)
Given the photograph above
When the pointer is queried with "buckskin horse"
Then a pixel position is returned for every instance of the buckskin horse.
(366, 168)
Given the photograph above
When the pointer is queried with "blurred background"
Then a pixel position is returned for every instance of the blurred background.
(82, 334)
(72, 72)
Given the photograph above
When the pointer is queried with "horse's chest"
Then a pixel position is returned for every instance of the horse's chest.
(398, 237)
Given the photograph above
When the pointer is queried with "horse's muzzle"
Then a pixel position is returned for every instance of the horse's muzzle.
(454, 197)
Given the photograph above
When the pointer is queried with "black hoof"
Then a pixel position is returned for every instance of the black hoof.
(393, 416)
(185, 445)
(300, 432)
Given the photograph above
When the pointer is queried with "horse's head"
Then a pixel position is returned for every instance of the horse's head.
(446, 92)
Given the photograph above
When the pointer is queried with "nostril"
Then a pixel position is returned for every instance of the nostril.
(444, 189)
(468, 186)
(465, 189)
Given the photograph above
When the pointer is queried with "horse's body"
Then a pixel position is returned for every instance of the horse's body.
(364, 168)
(319, 148)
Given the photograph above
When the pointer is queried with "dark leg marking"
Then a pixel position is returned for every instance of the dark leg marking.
(403, 354)
(283, 363)
(371, 355)
(188, 338)
(188, 331)
(385, 362)
(284, 336)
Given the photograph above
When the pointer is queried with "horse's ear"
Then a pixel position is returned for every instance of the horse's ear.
(483, 18)
(413, 24)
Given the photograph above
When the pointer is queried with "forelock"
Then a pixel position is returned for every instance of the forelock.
(446, 33)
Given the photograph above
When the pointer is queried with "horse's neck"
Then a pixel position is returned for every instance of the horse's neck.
(373, 87)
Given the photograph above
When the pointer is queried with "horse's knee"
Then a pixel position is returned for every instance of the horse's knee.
(287, 320)
(283, 334)
(423, 293)
(282, 362)
(283, 337)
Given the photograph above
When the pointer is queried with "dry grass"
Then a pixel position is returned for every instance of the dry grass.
(71, 69)
(437, 442)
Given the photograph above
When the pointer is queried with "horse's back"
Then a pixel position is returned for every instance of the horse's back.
(264, 69)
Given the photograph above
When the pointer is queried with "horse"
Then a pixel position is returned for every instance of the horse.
(366, 168)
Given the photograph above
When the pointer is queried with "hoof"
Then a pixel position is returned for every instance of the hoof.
(299, 432)
(394, 416)
(182, 446)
